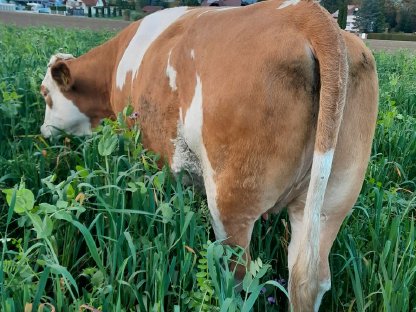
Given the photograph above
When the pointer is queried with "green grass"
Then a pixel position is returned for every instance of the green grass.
(93, 222)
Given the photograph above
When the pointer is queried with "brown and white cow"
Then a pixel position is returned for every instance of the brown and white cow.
(272, 105)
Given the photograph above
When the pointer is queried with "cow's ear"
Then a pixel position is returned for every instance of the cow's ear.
(62, 75)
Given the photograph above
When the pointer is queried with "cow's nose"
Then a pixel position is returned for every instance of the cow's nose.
(44, 91)
(45, 130)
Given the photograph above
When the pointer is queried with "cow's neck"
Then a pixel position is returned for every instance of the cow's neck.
(95, 70)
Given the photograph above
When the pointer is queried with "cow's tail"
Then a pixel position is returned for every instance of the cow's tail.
(329, 49)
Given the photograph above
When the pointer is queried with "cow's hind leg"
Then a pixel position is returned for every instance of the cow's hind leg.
(329, 228)
(343, 189)
(348, 169)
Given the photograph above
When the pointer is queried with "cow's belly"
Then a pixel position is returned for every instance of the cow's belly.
(185, 163)
(190, 155)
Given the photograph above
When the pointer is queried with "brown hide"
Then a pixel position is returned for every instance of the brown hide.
(273, 92)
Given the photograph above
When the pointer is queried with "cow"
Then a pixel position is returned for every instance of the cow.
(270, 105)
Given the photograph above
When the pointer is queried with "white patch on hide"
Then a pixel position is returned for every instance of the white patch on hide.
(151, 27)
(59, 56)
(227, 8)
(190, 153)
(321, 169)
(171, 74)
(323, 288)
(288, 3)
(216, 10)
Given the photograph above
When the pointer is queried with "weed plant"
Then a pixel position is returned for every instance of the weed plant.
(95, 223)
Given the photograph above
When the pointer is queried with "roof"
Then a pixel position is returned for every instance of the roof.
(221, 3)
(90, 3)
(152, 8)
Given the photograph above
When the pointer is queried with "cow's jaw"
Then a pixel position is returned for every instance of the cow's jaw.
(67, 118)
(61, 113)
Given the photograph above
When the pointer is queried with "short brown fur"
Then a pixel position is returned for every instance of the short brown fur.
(274, 89)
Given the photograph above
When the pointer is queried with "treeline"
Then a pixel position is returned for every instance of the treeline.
(377, 15)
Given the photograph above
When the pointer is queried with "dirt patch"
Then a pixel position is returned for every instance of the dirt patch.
(391, 46)
(35, 19)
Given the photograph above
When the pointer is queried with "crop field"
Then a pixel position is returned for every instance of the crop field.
(92, 224)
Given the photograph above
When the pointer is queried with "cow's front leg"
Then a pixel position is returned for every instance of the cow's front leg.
(233, 213)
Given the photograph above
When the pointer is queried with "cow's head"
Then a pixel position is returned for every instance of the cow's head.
(59, 91)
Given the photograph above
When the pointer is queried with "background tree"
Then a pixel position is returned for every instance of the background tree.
(406, 16)
(342, 14)
(341, 5)
(390, 13)
(330, 5)
(370, 17)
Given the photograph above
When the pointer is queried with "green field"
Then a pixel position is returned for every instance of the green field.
(93, 223)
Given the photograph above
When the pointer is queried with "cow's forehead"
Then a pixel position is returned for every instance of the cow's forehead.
(59, 56)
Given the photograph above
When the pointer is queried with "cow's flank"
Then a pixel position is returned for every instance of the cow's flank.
(265, 106)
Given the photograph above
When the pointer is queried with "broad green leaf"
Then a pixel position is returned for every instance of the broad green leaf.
(167, 212)
(97, 279)
(25, 200)
(47, 208)
(248, 279)
(83, 173)
(61, 204)
(63, 215)
(70, 192)
(143, 189)
(47, 226)
(37, 224)
(108, 142)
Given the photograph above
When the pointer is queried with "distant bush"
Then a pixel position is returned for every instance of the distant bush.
(136, 15)
(58, 8)
(392, 36)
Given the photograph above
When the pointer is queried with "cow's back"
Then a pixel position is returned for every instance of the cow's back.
(259, 86)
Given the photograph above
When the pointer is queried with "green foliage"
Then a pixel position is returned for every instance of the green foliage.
(23, 199)
(375, 248)
(10, 100)
(330, 5)
(397, 16)
(136, 15)
(342, 14)
(393, 36)
(94, 222)
(370, 17)
(190, 2)
(406, 16)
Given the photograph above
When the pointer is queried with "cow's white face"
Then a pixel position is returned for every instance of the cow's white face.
(61, 114)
